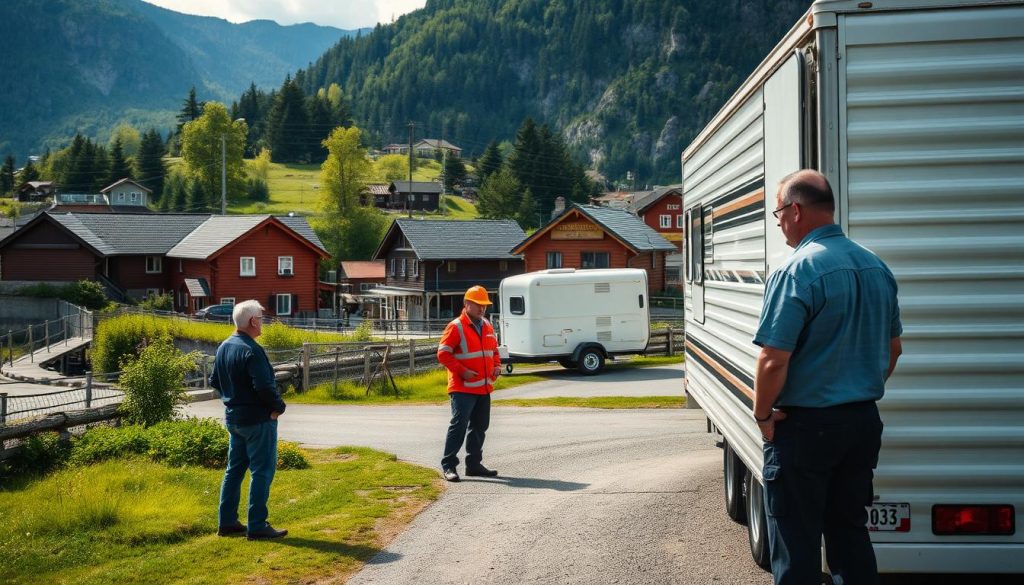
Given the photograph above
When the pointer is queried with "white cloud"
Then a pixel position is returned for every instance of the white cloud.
(348, 14)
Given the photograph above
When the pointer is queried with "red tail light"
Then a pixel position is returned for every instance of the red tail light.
(978, 520)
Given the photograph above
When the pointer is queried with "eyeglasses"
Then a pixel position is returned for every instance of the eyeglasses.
(781, 209)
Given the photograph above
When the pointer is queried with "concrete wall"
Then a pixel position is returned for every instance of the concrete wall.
(20, 312)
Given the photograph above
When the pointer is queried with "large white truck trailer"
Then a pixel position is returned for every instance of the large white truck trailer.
(914, 110)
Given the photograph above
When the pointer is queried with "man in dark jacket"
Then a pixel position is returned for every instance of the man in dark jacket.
(245, 379)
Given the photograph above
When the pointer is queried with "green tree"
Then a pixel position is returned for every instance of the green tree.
(499, 195)
(454, 172)
(343, 175)
(288, 124)
(119, 167)
(196, 199)
(7, 175)
(149, 163)
(175, 191)
(130, 139)
(490, 162)
(29, 173)
(527, 214)
(191, 109)
(392, 167)
(201, 152)
(153, 382)
(259, 168)
(353, 236)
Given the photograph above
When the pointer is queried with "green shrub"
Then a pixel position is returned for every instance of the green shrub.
(202, 442)
(122, 336)
(164, 302)
(256, 189)
(88, 294)
(40, 454)
(152, 383)
(104, 442)
(364, 332)
(290, 456)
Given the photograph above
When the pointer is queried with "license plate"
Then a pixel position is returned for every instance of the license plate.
(889, 517)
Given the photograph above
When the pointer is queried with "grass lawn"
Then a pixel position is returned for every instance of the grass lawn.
(135, 521)
(431, 388)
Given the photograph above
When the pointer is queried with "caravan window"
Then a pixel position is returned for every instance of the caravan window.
(694, 246)
(517, 305)
(708, 220)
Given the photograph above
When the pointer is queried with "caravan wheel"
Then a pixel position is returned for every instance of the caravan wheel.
(734, 473)
(591, 362)
(508, 368)
(757, 523)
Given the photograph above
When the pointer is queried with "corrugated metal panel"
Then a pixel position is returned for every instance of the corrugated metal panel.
(934, 152)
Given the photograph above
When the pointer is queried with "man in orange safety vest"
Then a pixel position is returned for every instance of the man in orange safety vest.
(469, 351)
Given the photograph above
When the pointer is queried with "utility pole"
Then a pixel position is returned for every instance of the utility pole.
(408, 210)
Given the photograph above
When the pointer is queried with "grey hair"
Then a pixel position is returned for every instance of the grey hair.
(244, 311)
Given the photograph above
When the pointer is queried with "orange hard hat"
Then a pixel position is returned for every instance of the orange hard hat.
(478, 295)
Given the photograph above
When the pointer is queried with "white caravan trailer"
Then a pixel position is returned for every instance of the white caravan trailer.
(914, 110)
(578, 317)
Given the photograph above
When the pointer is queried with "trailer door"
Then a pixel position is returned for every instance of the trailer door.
(783, 148)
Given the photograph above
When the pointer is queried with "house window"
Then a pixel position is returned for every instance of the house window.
(401, 268)
(594, 260)
(154, 264)
(415, 267)
(120, 197)
(365, 286)
(451, 266)
(554, 260)
(285, 266)
(284, 304)
(666, 221)
(680, 221)
(247, 266)
(412, 197)
(135, 197)
(392, 271)
(227, 301)
(503, 265)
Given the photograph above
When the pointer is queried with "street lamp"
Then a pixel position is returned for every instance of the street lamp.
(224, 170)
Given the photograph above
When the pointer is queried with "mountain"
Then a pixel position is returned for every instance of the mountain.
(86, 65)
(628, 82)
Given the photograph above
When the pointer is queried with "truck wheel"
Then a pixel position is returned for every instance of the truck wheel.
(591, 362)
(757, 523)
(567, 363)
(734, 475)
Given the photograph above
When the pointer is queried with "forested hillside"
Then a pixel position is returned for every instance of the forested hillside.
(85, 65)
(628, 82)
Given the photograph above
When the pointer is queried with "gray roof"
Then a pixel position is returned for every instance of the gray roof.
(220, 230)
(626, 227)
(122, 234)
(478, 239)
(300, 225)
(645, 198)
(417, 187)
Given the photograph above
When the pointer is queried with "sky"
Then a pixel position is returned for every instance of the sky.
(346, 14)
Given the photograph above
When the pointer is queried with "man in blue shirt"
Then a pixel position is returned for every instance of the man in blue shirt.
(245, 379)
(830, 337)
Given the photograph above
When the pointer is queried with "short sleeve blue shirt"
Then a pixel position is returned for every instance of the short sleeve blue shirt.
(833, 304)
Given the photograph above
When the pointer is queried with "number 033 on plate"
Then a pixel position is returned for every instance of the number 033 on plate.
(889, 517)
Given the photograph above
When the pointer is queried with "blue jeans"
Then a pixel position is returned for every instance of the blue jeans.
(818, 472)
(252, 447)
(472, 411)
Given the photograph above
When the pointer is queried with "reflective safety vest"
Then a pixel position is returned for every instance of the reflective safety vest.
(462, 349)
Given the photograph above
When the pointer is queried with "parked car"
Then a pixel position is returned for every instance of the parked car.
(215, 313)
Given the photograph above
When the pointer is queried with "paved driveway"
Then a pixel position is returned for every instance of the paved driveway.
(653, 381)
(585, 496)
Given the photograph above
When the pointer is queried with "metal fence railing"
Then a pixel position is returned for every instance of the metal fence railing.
(95, 391)
(73, 322)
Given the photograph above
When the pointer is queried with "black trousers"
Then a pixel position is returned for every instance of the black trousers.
(472, 412)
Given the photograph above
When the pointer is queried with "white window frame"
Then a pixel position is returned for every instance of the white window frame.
(452, 267)
(680, 221)
(120, 196)
(401, 268)
(285, 266)
(553, 254)
(242, 266)
(665, 221)
(277, 303)
(157, 266)
(392, 271)
(415, 268)
(227, 301)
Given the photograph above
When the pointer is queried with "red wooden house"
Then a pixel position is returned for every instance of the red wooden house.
(202, 259)
(662, 210)
(588, 236)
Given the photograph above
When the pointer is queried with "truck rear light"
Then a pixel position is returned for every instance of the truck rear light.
(966, 519)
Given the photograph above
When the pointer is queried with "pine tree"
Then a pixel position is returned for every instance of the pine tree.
(100, 166)
(288, 124)
(190, 109)
(527, 215)
(119, 167)
(77, 169)
(29, 173)
(454, 172)
(490, 162)
(149, 163)
(499, 195)
(195, 199)
(7, 175)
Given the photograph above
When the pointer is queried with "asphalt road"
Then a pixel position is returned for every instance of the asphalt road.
(653, 381)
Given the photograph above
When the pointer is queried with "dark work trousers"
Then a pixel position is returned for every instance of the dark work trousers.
(818, 471)
(472, 411)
